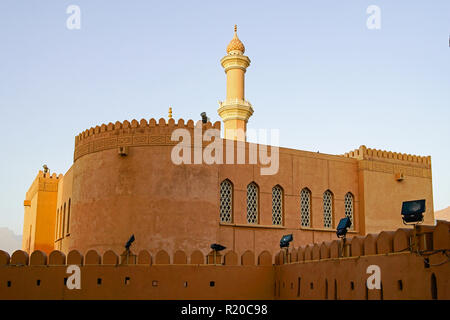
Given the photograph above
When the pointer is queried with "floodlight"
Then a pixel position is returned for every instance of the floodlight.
(217, 247)
(342, 227)
(412, 211)
(129, 242)
(204, 117)
(284, 242)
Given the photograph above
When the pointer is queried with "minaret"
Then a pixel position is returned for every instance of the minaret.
(235, 111)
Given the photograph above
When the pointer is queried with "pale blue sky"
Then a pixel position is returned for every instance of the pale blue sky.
(317, 73)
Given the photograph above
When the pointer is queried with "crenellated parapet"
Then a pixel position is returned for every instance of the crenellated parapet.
(371, 154)
(326, 270)
(43, 182)
(391, 162)
(143, 257)
(429, 239)
(386, 242)
(134, 133)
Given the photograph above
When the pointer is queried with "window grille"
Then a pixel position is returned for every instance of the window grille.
(226, 201)
(252, 203)
(277, 205)
(349, 207)
(305, 207)
(328, 209)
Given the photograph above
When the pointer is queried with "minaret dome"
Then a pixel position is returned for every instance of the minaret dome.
(235, 44)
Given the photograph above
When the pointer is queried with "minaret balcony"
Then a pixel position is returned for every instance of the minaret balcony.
(235, 61)
(231, 109)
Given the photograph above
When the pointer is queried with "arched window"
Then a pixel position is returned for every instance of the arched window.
(57, 225)
(63, 221)
(60, 222)
(68, 218)
(328, 209)
(277, 205)
(252, 203)
(305, 207)
(348, 202)
(226, 201)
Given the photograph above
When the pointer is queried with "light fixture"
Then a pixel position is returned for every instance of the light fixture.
(204, 117)
(341, 232)
(285, 240)
(217, 247)
(129, 242)
(343, 226)
(412, 211)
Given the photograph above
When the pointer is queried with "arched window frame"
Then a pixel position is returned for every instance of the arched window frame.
(277, 205)
(68, 217)
(222, 212)
(349, 205)
(57, 225)
(328, 206)
(305, 208)
(60, 223)
(63, 221)
(253, 217)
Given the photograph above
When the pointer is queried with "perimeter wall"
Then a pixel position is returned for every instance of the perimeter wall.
(327, 270)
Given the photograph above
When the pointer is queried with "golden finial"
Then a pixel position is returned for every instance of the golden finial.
(235, 43)
(170, 112)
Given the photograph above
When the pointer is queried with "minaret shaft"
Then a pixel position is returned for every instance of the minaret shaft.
(235, 110)
(235, 84)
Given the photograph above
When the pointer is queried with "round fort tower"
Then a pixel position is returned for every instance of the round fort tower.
(124, 181)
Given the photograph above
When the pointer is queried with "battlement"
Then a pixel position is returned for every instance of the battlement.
(386, 242)
(144, 257)
(316, 271)
(142, 126)
(134, 133)
(364, 153)
(43, 182)
(41, 174)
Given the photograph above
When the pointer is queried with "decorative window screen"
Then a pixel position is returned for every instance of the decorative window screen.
(305, 207)
(328, 209)
(349, 207)
(277, 205)
(226, 201)
(252, 203)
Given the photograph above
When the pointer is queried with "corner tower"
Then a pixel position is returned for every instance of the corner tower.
(235, 110)
(40, 213)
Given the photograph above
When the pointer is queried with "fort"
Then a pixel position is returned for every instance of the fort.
(123, 182)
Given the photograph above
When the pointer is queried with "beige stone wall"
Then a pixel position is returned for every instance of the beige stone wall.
(386, 179)
(39, 215)
(327, 271)
(315, 271)
(168, 206)
(63, 214)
